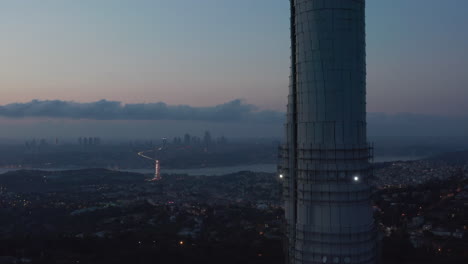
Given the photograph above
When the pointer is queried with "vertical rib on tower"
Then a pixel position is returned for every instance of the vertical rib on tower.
(326, 157)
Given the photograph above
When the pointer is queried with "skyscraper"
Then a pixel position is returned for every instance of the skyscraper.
(326, 159)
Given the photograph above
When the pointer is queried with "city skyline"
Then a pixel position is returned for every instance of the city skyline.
(212, 52)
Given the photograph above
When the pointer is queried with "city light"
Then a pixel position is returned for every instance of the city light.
(181, 242)
(281, 176)
(356, 178)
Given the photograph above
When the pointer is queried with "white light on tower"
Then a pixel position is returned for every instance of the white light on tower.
(356, 178)
(281, 176)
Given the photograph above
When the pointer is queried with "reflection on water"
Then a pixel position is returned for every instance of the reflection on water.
(270, 168)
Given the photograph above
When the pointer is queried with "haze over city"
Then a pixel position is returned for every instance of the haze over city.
(215, 53)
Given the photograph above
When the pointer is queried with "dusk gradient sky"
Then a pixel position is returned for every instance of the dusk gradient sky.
(208, 52)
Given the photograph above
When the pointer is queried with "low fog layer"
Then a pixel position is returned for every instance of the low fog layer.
(109, 119)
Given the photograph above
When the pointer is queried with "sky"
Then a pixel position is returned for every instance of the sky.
(206, 53)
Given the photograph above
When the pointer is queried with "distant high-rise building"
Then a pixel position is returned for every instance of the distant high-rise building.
(187, 139)
(195, 140)
(207, 138)
(326, 160)
(43, 142)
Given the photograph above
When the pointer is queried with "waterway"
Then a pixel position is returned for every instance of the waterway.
(213, 171)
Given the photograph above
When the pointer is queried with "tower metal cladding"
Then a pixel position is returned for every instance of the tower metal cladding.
(326, 159)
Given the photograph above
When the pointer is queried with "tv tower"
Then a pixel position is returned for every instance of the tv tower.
(326, 159)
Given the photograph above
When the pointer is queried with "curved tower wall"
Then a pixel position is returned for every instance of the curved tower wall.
(326, 158)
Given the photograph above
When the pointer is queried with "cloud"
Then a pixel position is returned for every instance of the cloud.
(233, 111)
(379, 124)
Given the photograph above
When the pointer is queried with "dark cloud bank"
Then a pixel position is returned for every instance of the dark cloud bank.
(234, 112)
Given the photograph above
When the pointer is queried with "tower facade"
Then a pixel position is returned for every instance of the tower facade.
(326, 159)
